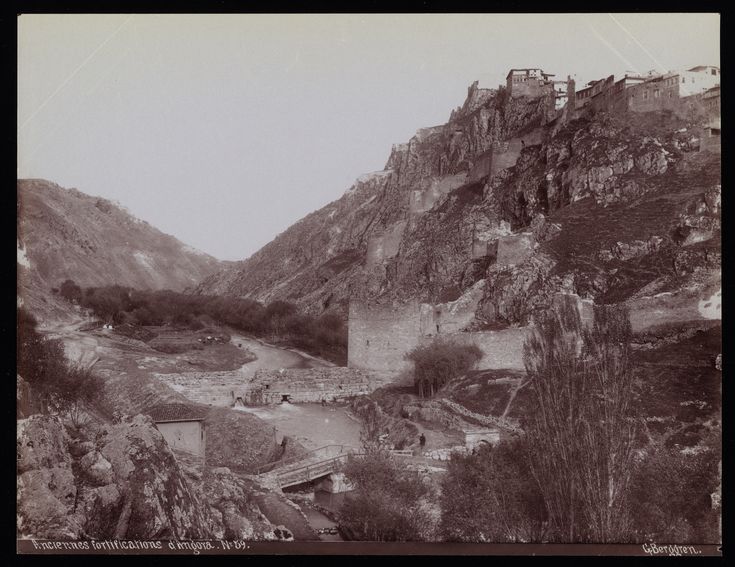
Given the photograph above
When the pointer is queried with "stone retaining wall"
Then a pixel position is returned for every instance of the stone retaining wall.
(211, 388)
(309, 385)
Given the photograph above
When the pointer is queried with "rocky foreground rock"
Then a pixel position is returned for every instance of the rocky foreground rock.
(122, 481)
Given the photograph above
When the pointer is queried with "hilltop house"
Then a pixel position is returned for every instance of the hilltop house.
(528, 82)
(696, 89)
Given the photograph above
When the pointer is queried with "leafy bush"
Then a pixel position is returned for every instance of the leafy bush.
(491, 496)
(440, 361)
(70, 291)
(672, 491)
(61, 387)
(389, 503)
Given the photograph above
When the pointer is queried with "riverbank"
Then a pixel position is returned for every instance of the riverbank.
(312, 425)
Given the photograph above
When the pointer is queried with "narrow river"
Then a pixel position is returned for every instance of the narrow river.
(312, 425)
(272, 357)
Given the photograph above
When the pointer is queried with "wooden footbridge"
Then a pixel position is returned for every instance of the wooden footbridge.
(315, 464)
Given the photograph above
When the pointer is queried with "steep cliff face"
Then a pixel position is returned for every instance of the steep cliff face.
(605, 206)
(66, 234)
(316, 260)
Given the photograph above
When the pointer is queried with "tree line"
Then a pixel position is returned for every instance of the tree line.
(280, 321)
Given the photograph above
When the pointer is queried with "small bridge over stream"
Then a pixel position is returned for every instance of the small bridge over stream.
(315, 464)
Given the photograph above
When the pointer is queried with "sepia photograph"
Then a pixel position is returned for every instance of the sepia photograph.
(369, 283)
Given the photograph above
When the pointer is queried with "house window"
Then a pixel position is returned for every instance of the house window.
(714, 71)
(645, 95)
(656, 93)
(683, 80)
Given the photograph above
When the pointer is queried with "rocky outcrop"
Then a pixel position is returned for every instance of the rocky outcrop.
(158, 503)
(125, 483)
(627, 250)
(47, 493)
(517, 290)
(235, 513)
(321, 257)
(599, 206)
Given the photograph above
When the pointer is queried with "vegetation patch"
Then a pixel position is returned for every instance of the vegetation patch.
(56, 386)
(439, 362)
(132, 311)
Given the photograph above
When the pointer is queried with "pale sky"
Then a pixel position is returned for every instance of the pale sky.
(223, 130)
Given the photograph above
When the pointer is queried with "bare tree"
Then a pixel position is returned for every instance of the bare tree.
(608, 428)
(580, 439)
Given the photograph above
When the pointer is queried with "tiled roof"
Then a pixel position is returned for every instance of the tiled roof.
(176, 412)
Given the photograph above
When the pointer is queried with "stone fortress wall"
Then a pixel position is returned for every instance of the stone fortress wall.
(503, 155)
(423, 199)
(385, 245)
(380, 335)
(225, 389)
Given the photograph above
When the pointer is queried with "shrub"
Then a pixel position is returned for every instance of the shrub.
(440, 361)
(389, 502)
(39, 360)
(144, 316)
(491, 496)
(672, 493)
(196, 324)
(60, 386)
(70, 291)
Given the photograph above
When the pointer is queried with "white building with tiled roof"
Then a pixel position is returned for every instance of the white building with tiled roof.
(182, 426)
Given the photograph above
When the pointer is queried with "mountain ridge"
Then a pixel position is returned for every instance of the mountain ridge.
(66, 234)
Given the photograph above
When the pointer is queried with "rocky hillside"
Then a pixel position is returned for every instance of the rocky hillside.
(66, 234)
(503, 203)
(121, 481)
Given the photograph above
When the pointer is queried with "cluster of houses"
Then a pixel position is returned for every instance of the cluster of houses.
(694, 91)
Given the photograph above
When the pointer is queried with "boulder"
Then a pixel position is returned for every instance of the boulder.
(161, 502)
(41, 443)
(98, 510)
(45, 499)
(652, 162)
(544, 230)
(238, 517)
(46, 491)
(79, 448)
(97, 469)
